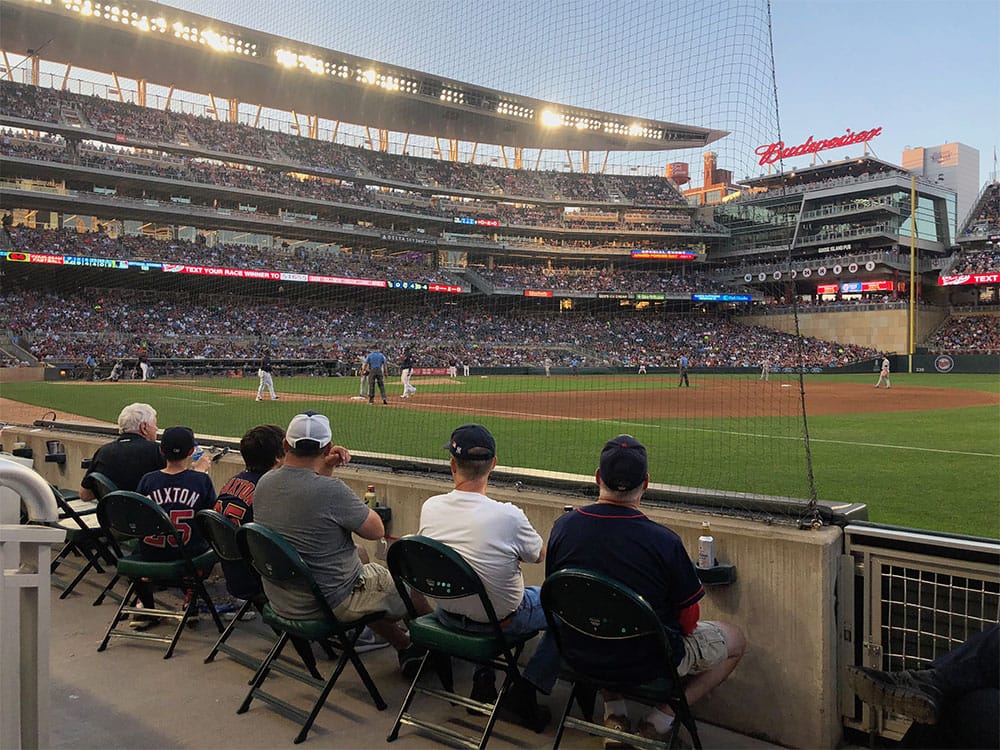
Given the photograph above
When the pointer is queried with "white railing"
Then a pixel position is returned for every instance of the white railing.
(25, 605)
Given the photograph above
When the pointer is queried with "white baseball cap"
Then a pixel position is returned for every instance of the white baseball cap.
(309, 426)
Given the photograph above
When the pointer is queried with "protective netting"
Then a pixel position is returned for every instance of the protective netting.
(556, 342)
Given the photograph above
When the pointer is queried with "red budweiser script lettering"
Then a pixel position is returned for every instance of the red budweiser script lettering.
(772, 152)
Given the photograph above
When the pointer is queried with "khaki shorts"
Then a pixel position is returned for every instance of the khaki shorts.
(705, 648)
(374, 591)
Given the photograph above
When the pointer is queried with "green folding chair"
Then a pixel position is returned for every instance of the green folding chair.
(280, 565)
(101, 485)
(589, 613)
(134, 516)
(221, 534)
(439, 572)
(84, 538)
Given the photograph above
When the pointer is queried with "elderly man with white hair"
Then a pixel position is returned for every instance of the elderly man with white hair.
(134, 453)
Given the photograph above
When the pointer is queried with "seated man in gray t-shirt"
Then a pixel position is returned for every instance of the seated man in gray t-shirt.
(317, 514)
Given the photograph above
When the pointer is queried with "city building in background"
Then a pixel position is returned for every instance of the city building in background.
(952, 165)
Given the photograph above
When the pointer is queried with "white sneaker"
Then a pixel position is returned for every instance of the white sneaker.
(369, 640)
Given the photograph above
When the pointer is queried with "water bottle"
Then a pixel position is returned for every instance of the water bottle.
(369, 498)
(198, 453)
(706, 547)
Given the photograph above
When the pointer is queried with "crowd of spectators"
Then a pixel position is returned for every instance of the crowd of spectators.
(113, 324)
(984, 261)
(967, 334)
(327, 189)
(598, 279)
(30, 102)
(987, 218)
(413, 266)
(132, 122)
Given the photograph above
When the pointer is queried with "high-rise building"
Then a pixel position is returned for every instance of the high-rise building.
(952, 165)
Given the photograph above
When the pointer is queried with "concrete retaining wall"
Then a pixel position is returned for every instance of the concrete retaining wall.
(784, 690)
(884, 330)
(21, 374)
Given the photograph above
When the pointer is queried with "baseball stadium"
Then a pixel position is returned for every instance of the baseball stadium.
(237, 227)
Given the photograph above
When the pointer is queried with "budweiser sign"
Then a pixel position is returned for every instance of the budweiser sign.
(771, 152)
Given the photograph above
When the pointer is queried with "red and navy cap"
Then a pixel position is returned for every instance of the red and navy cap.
(624, 465)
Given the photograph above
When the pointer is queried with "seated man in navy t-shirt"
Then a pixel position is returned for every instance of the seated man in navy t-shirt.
(262, 450)
(615, 538)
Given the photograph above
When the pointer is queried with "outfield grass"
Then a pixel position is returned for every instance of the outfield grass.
(937, 470)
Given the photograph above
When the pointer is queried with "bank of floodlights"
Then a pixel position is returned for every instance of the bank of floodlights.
(119, 14)
(515, 110)
(367, 76)
(550, 118)
(452, 96)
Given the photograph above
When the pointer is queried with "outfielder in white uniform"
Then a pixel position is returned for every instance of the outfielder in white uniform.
(883, 376)
(266, 380)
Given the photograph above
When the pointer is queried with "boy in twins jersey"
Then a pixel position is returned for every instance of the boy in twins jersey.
(181, 492)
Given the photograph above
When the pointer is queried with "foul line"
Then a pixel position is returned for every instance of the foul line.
(195, 401)
(797, 438)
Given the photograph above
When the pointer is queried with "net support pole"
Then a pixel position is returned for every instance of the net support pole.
(913, 269)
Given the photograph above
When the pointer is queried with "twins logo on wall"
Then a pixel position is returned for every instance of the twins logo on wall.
(944, 363)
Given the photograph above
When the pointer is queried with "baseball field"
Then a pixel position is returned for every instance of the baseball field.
(924, 454)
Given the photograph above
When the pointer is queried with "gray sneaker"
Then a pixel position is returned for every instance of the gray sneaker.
(910, 692)
(369, 640)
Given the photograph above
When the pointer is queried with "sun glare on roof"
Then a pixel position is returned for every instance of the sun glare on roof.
(551, 119)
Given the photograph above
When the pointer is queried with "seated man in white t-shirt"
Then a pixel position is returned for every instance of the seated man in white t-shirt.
(494, 538)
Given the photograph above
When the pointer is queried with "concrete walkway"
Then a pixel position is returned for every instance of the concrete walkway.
(130, 697)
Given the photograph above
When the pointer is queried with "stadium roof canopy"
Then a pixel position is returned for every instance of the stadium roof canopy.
(163, 45)
(825, 171)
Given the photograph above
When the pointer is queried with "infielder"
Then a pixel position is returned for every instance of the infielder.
(266, 380)
(883, 375)
(406, 370)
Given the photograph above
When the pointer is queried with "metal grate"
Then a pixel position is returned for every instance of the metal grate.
(925, 613)
(906, 597)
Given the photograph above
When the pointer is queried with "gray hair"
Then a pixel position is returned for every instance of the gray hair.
(621, 497)
(133, 415)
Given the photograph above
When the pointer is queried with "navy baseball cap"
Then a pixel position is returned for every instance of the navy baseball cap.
(177, 442)
(472, 442)
(624, 465)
